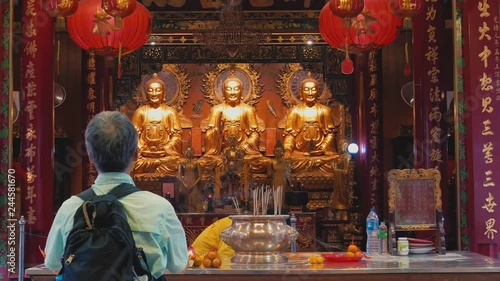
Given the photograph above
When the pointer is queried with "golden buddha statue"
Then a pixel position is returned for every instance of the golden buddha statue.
(159, 129)
(231, 118)
(189, 177)
(309, 132)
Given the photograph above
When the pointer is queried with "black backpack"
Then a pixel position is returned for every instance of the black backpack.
(101, 246)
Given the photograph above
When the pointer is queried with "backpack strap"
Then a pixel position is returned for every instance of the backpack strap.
(118, 191)
(86, 194)
(123, 190)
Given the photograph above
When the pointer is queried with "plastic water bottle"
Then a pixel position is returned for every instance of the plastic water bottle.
(382, 238)
(372, 233)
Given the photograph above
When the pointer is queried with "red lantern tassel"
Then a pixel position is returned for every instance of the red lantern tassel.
(119, 22)
(120, 60)
(347, 66)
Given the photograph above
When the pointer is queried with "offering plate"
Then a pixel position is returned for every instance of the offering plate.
(259, 239)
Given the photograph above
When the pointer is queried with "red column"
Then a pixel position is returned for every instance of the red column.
(37, 135)
(482, 125)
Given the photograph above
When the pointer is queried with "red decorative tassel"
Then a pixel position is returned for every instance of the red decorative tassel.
(120, 60)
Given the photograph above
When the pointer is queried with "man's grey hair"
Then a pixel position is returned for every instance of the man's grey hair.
(111, 141)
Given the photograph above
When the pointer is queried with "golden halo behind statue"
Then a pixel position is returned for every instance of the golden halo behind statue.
(288, 84)
(288, 87)
(177, 86)
(217, 74)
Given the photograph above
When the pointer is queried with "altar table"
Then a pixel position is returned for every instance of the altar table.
(454, 266)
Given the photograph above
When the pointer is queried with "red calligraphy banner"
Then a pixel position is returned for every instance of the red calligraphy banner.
(94, 90)
(373, 117)
(368, 133)
(429, 99)
(482, 90)
(37, 135)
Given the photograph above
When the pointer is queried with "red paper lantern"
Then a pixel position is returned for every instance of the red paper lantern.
(60, 9)
(346, 8)
(93, 30)
(406, 9)
(119, 9)
(374, 27)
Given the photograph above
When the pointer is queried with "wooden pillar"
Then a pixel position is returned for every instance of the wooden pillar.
(95, 83)
(368, 132)
(479, 122)
(6, 139)
(373, 126)
(430, 136)
(37, 135)
(359, 131)
(430, 145)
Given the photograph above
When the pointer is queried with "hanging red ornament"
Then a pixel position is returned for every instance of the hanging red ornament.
(406, 9)
(93, 30)
(119, 9)
(347, 66)
(346, 9)
(374, 27)
(60, 9)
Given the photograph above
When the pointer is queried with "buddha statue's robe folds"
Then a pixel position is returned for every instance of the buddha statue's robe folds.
(309, 134)
(160, 143)
(232, 118)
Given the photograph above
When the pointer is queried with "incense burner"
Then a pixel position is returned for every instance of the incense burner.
(259, 239)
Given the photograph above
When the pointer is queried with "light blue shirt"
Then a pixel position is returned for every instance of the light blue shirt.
(152, 218)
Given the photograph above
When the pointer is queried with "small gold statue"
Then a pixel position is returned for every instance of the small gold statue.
(309, 132)
(231, 118)
(279, 169)
(232, 157)
(189, 176)
(341, 187)
(160, 143)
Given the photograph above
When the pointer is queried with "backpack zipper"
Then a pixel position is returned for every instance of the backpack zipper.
(70, 259)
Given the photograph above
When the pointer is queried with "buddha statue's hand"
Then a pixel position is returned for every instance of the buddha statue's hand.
(287, 154)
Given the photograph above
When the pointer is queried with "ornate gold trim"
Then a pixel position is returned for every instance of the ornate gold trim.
(396, 175)
(177, 83)
(416, 227)
(247, 73)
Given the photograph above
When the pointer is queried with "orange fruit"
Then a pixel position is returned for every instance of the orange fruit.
(352, 248)
(312, 260)
(216, 263)
(349, 254)
(358, 254)
(211, 254)
(207, 263)
(198, 260)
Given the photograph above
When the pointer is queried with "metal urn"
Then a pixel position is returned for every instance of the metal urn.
(259, 239)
